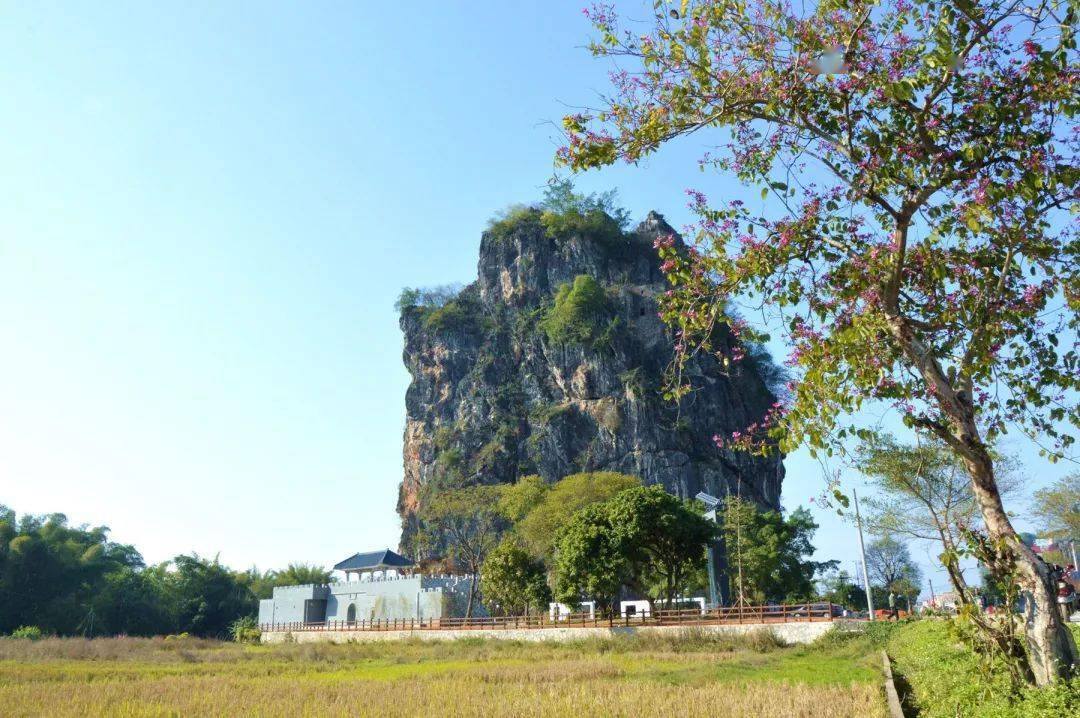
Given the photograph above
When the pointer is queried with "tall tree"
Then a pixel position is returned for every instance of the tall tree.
(522, 496)
(295, 574)
(591, 559)
(921, 158)
(643, 539)
(512, 582)
(924, 493)
(134, 602)
(76, 581)
(563, 499)
(50, 572)
(768, 554)
(470, 519)
(891, 567)
(665, 538)
(208, 596)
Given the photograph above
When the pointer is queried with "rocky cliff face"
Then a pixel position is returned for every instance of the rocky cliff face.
(495, 396)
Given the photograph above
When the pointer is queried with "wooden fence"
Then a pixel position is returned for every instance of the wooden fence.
(723, 615)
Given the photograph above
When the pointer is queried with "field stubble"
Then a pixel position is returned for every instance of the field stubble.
(678, 676)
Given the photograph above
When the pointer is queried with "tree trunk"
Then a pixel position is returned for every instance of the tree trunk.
(1051, 649)
(472, 596)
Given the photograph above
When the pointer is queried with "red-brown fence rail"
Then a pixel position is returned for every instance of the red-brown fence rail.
(682, 617)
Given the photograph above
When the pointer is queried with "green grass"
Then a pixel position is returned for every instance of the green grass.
(689, 674)
(944, 679)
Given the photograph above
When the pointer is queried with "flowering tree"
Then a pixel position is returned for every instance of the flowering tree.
(917, 246)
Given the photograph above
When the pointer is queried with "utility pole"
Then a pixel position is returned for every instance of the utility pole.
(933, 598)
(862, 553)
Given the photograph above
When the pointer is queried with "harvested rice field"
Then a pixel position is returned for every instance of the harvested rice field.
(686, 675)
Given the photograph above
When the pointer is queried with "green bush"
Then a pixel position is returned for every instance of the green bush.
(596, 216)
(488, 456)
(451, 315)
(564, 212)
(31, 633)
(450, 462)
(426, 298)
(461, 314)
(544, 414)
(578, 315)
(594, 224)
(503, 224)
(446, 436)
(878, 633)
(945, 679)
(634, 382)
(245, 630)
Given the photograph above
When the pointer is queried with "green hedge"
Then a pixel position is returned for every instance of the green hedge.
(944, 679)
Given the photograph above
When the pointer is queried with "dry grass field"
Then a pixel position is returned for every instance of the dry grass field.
(682, 676)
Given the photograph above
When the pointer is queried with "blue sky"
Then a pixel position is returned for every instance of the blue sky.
(206, 214)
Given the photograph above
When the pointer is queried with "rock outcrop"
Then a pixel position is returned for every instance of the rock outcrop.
(497, 393)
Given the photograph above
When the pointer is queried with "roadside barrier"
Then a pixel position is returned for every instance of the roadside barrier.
(723, 615)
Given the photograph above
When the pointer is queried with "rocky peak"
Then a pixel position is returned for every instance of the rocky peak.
(500, 388)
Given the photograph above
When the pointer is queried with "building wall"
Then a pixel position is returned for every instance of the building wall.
(378, 599)
(417, 597)
(289, 603)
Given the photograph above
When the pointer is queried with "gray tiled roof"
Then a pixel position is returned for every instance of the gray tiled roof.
(374, 560)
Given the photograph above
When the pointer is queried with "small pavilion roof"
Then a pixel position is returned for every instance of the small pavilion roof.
(374, 561)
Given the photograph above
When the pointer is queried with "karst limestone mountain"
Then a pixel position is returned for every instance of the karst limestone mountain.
(552, 363)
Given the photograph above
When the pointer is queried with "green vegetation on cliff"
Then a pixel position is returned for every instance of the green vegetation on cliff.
(579, 314)
(563, 212)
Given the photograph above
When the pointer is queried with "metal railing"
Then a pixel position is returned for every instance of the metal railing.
(723, 615)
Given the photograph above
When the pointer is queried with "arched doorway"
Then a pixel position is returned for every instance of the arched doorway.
(350, 616)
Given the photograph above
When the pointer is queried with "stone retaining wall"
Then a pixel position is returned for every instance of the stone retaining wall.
(790, 632)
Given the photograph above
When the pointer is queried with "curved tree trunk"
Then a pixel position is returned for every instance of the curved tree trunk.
(1051, 649)
(1052, 652)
